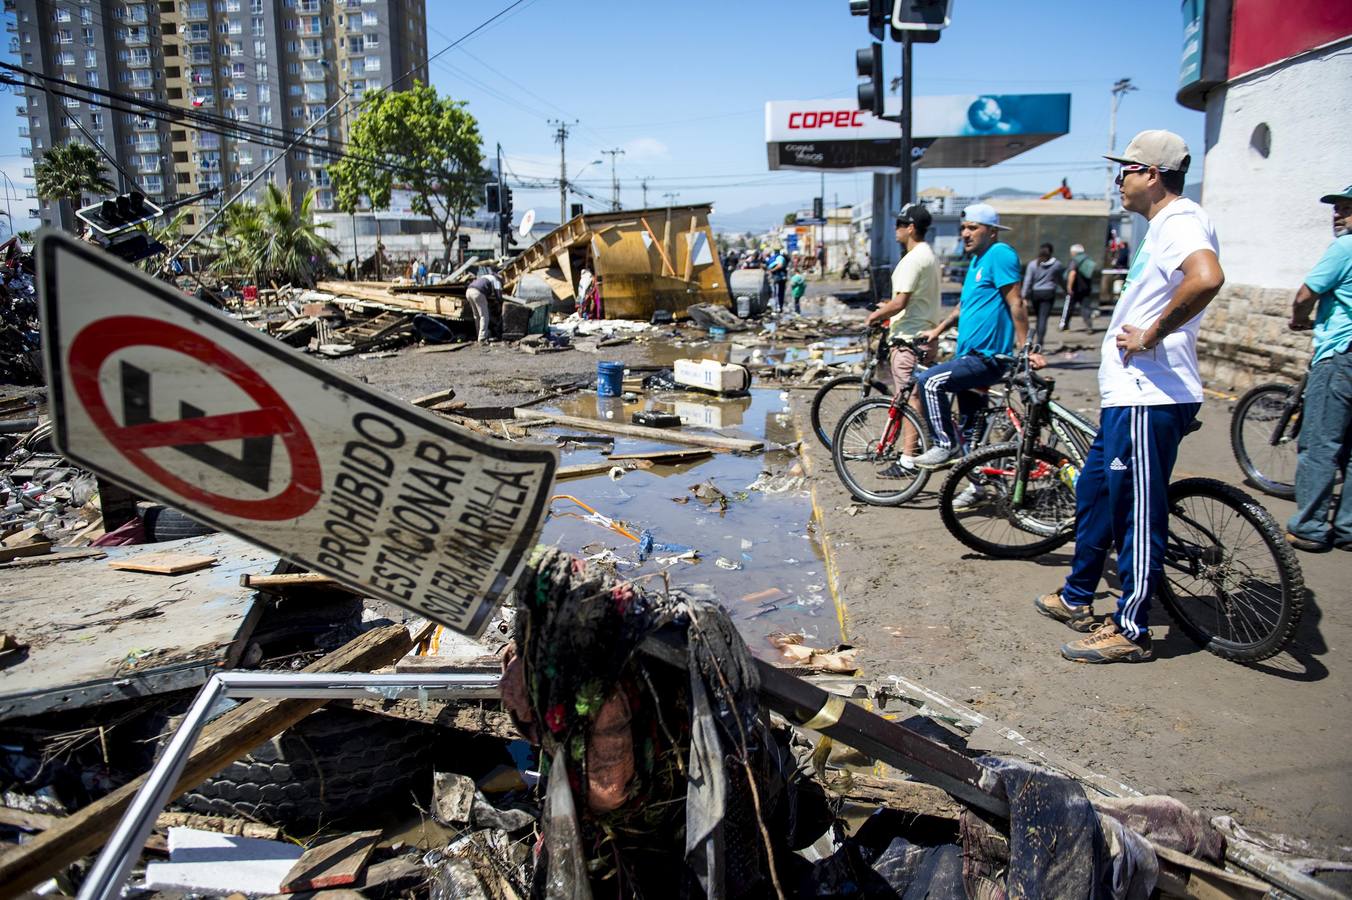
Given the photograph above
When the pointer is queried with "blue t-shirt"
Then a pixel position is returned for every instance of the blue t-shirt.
(1331, 279)
(984, 324)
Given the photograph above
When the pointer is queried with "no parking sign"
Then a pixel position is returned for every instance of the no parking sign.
(188, 406)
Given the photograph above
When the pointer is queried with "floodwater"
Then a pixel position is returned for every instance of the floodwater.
(754, 538)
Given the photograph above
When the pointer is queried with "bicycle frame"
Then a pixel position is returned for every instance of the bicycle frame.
(1292, 409)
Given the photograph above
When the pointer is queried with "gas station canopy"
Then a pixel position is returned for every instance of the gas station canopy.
(959, 132)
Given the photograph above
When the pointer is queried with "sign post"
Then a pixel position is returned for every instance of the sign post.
(183, 404)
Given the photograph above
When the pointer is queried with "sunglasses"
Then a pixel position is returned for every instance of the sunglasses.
(1125, 170)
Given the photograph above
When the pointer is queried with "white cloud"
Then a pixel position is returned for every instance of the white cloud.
(645, 148)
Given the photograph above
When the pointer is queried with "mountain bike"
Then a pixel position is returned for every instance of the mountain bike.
(873, 435)
(1231, 582)
(835, 396)
(1264, 429)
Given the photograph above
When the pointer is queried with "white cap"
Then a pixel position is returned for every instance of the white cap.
(983, 214)
(1159, 148)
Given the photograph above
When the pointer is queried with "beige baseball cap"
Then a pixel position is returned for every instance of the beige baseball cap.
(1159, 148)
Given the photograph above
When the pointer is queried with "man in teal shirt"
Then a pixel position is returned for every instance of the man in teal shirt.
(1326, 424)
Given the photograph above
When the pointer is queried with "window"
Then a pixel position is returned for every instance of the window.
(265, 115)
(241, 113)
(239, 70)
(66, 58)
(265, 92)
(92, 79)
(91, 59)
(257, 26)
(87, 34)
(236, 26)
(355, 45)
(370, 18)
(96, 121)
(293, 90)
(372, 41)
(373, 63)
(260, 48)
(61, 15)
(297, 112)
(255, 6)
(87, 16)
(71, 102)
(64, 36)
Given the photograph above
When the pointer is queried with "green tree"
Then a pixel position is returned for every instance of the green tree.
(432, 141)
(273, 240)
(70, 171)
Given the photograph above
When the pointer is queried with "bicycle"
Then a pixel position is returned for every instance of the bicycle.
(866, 448)
(838, 394)
(1264, 429)
(1231, 582)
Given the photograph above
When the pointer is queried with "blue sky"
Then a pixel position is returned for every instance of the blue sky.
(681, 87)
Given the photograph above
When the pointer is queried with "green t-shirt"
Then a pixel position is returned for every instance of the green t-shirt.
(918, 275)
(798, 285)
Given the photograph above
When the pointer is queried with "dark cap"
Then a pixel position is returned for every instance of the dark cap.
(915, 214)
(1345, 194)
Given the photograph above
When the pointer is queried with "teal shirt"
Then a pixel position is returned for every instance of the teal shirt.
(984, 323)
(1331, 279)
(798, 285)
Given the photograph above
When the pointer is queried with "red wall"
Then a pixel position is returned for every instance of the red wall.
(1264, 31)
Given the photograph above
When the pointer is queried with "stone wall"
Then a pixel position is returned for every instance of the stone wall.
(1244, 339)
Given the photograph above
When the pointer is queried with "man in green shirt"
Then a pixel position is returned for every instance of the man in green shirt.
(1079, 286)
(913, 309)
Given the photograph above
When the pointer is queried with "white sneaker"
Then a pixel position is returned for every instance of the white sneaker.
(972, 496)
(936, 457)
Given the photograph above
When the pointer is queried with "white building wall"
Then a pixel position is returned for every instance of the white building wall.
(1267, 213)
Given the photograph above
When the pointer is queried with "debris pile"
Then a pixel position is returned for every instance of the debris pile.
(19, 330)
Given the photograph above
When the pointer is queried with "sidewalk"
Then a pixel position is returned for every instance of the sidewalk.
(1267, 744)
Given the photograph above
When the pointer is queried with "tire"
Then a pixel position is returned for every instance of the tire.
(164, 523)
(854, 452)
(833, 398)
(1268, 467)
(1045, 522)
(1231, 581)
(333, 764)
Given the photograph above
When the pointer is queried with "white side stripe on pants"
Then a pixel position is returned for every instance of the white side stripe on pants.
(938, 415)
(1141, 543)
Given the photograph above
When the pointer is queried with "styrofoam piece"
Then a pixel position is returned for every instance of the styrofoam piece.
(712, 375)
(222, 863)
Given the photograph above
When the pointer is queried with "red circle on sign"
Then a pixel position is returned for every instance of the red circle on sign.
(98, 341)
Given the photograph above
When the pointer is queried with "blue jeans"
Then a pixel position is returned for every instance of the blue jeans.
(1122, 502)
(958, 376)
(1325, 442)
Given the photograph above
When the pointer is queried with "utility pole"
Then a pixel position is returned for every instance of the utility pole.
(1121, 87)
(561, 138)
(502, 232)
(614, 182)
(644, 184)
(906, 134)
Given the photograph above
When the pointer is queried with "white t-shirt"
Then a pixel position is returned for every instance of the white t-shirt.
(1167, 373)
(918, 275)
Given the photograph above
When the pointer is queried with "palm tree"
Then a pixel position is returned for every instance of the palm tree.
(271, 240)
(68, 172)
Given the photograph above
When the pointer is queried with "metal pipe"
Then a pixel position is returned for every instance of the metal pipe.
(115, 861)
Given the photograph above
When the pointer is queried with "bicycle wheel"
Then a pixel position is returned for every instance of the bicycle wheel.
(996, 527)
(1231, 582)
(870, 475)
(833, 398)
(1267, 465)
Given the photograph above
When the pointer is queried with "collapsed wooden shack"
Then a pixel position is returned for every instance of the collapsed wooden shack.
(644, 260)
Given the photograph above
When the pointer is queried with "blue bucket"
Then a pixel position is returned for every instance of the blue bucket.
(609, 379)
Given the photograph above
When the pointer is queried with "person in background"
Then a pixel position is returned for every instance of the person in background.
(481, 293)
(1325, 444)
(777, 266)
(1122, 255)
(1150, 389)
(821, 261)
(1042, 278)
(1079, 288)
(913, 310)
(797, 288)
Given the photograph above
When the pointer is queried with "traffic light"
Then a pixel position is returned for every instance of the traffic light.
(505, 211)
(119, 213)
(868, 63)
(491, 202)
(921, 20)
(878, 14)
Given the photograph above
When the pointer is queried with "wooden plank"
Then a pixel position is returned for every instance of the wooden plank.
(665, 435)
(434, 398)
(666, 457)
(30, 535)
(332, 864)
(49, 558)
(222, 742)
(670, 270)
(444, 348)
(582, 470)
(34, 549)
(164, 563)
(294, 580)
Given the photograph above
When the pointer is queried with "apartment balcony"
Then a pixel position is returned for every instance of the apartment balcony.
(24, 131)
(148, 168)
(137, 40)
(21, 112)
(207, 182)
(13, 45)
(142, 80)
(145, 125)
(139, 61)
(208, 141)
(313, 73)
(27, 173)
(312, 53)
(196, 12)
(141, 145)
(201, 76)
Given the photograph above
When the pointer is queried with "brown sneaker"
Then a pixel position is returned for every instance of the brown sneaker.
(1107, 645)
(1076, 616)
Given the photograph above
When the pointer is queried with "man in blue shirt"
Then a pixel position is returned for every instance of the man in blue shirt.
(1326, 425)
(992, 319)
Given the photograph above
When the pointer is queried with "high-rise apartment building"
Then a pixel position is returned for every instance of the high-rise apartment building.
(264, 64)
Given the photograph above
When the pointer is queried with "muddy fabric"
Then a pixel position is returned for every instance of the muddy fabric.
(1167, 822)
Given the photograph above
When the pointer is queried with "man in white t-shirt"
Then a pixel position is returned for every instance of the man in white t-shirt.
(1150, 391)
(913, 309)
